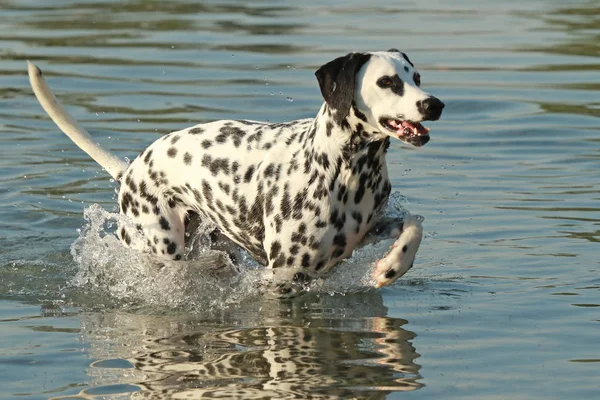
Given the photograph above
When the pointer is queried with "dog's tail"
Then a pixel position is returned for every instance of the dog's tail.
(107, 160)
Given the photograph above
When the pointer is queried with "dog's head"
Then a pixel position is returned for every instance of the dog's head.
(384, 88)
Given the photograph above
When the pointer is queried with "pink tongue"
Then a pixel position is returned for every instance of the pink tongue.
(420, 128)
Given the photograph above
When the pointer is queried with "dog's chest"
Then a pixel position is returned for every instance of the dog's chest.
(323, 214)
(357, 198)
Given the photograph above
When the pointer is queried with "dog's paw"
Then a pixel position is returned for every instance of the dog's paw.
(290, 288)
(402, 253)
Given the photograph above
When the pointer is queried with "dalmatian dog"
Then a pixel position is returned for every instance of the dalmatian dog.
(298, 196)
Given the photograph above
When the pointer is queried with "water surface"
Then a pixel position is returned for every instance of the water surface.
(503, 301)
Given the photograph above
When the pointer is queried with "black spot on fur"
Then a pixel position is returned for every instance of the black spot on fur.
(279, 262)
(195, 131)
(306, 260)
(294, 249)
(339, 240)
(187, 158)
(286, 205)
(269, 171)
(227, 131)
(275, 249)
(126, 201)
(164, 224)
(248, 174)
(320, 224)
(360, 192)
(125, 236)
(171, 248)
(148, 157)
(328, 128)
(390, 273)
(172, 152)
(207, 191)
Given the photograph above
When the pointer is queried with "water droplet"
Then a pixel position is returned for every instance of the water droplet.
(172, 46)
(289, 99)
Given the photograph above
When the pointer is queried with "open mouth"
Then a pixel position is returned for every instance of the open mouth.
(411, 132)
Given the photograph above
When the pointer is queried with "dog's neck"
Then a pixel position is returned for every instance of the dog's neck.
(344, 140)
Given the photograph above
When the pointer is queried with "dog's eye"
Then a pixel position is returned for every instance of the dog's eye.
(417, 79)
(384, 82)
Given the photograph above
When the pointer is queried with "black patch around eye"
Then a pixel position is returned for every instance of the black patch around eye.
(396, 86)
(385, 82)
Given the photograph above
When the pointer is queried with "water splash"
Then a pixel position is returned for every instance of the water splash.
(208, 280)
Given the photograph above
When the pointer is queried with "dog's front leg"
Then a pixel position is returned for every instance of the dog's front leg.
(401, 256)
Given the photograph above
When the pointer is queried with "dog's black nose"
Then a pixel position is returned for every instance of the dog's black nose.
(431, 108)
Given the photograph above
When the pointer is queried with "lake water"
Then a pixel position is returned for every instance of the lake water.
(503, 301)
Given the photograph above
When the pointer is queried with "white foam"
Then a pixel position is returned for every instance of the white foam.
(129, 276)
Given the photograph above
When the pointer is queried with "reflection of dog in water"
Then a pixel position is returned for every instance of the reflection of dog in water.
(279, 353)
(298, 196)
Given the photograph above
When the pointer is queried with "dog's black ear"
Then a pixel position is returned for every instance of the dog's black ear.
(337, 80)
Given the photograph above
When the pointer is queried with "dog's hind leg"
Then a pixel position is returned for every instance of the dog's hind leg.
(163, 232)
